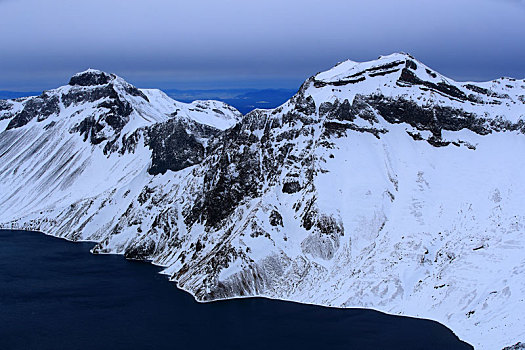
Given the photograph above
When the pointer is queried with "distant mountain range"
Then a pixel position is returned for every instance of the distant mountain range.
(379, 184)
(245, 100)
(6, 95)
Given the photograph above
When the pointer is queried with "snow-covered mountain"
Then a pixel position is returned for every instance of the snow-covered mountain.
(380, 184)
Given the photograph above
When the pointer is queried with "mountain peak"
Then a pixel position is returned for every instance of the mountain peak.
(397, 55)
(356, 71)
(91, 77)
(380, 184)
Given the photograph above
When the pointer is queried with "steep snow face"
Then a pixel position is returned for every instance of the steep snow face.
(380, 184)
(74, 142)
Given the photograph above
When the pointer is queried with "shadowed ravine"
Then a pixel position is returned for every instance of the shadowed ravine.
(54, 294)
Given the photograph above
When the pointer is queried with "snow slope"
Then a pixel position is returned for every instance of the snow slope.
(380, 184)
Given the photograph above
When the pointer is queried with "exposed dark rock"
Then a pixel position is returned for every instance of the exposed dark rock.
(324, 239)
(384, 69)
(291, 118)
(75, 96)
(338, 129)
(116, 117)
(145, 195)
(213, 289)
(234, 172)
(415, 135)
(276, 219)
(346, 112)
(129, 142)
(437, 141)
(432, 118)
(500, 124)
(117, 113)
(172, 147)
(337, 110)
(328, 225)
(380, 73)
(41, 107)
(133, 91)
(361, 108)
(432, 74)
(386, 66)
(291, 187)
(142, 251)
(114, 113)
(5, 105)
(407, 76)
(90, 129)
(480, 90)
(91, 78)
(309, 214)
(49, 126)
(199, 246)
(304, 104)
(201, 131)
(342, 82)
(411, 64)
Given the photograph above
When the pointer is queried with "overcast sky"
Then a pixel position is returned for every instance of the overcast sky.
(234, 43)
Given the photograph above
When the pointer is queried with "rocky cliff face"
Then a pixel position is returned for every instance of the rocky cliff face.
(380, 184)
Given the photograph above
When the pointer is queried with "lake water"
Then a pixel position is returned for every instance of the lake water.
(54, 294)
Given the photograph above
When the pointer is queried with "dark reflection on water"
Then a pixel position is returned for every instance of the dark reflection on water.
(55, 295)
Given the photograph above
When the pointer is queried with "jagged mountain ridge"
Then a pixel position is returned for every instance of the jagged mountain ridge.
(380, 184)
(84, 132)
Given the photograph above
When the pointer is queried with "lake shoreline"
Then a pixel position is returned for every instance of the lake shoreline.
(321, 312)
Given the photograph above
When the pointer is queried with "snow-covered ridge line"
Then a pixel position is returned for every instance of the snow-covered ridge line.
(380, 184)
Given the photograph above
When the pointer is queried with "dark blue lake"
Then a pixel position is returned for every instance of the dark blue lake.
(56, 295)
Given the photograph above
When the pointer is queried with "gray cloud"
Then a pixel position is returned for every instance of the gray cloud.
(203, 42)
(518, 2)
